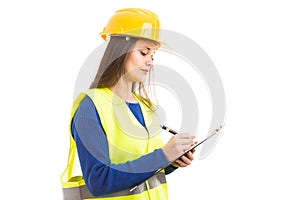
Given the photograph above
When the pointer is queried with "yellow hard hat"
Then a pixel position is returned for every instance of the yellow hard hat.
(134, 22)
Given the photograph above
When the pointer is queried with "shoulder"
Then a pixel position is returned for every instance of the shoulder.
(86, 102)
(85, 108)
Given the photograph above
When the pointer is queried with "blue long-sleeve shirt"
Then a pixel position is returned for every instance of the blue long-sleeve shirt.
(101, 176)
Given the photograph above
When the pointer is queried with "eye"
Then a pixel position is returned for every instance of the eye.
(144, 52)
(147, 51)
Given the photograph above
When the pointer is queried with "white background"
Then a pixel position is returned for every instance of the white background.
(255, 46)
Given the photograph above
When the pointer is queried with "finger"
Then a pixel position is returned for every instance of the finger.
(190, 156)
(186, 160)
(174, 164)
(181, 163)
(193, 151)
(185, 147)
(184, 141)
(195, 142)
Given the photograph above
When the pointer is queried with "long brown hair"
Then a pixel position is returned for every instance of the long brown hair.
(111, 68)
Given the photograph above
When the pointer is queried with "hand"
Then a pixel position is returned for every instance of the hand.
(185, 160)
(177, 145)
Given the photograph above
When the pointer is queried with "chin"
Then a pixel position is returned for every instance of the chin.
(138, 79)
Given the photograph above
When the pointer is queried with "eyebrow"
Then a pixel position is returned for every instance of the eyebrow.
(149, 48)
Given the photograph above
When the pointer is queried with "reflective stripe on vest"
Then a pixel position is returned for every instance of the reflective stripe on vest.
(123, 146)
(153, 182)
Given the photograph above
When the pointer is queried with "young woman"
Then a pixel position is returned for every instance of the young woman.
(114, 124)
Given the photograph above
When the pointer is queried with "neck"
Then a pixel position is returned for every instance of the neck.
(123, 90)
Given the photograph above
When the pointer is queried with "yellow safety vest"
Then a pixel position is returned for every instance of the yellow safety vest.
(127, 141)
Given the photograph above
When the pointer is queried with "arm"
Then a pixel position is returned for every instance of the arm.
(100, 175)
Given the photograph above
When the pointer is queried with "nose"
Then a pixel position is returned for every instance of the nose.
(149, 60)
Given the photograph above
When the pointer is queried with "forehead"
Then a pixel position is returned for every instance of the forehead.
(145, 44)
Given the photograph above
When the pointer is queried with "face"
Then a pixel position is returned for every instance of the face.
(140, 60)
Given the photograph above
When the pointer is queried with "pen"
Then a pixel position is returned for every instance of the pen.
(168, 129)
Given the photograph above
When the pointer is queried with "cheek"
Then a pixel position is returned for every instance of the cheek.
(127, 67)
(132, 62)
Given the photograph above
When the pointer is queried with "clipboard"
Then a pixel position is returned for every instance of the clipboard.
(190, 149)
(199, 143)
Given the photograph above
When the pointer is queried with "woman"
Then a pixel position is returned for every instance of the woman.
(114, 124)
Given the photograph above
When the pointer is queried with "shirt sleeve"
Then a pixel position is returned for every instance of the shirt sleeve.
(169, 169)
(102, 177)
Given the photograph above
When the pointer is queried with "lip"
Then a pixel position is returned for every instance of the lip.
(145, 70)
